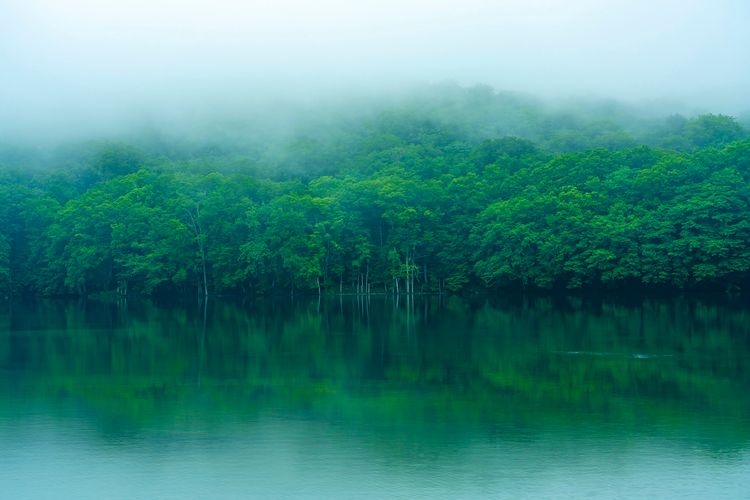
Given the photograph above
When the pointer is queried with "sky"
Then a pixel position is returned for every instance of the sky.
(90, 64)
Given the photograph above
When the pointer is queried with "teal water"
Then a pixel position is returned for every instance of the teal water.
(439, 398)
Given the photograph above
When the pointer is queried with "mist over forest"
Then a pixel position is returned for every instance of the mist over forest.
(409, 147)
(78, 68)
(267, 136)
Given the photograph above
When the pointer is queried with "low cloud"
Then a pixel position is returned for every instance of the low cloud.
(95, 67)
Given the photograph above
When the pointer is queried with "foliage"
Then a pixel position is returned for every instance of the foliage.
(409, 199)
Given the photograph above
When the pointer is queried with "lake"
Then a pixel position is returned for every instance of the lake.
(350, 397)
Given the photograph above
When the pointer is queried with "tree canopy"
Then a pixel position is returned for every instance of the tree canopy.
(412, 199)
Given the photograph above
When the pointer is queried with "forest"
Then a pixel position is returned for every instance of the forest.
(450, 189)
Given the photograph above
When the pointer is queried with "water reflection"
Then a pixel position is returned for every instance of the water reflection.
(465, 360)
(405, 383)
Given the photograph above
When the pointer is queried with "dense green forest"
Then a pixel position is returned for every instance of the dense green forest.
(451, 189)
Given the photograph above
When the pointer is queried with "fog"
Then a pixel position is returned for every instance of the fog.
(75, 68)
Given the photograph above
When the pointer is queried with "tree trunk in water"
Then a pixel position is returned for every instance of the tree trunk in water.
(198, 232)
(409, 274)
(406, 279)
(205, 275)
(412, 271)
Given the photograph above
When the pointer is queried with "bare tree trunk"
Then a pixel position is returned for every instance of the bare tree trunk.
(411, 274)
(406, 278)
(414, 275)
(410, 285)
(205, 277)
(198, 232)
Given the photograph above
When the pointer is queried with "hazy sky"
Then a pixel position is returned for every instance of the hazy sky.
(78, 63)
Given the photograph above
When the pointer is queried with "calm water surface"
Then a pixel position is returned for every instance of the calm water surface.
(532, 398)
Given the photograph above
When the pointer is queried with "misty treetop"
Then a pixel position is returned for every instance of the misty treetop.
(455, 190)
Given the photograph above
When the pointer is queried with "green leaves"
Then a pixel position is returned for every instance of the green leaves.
(679, 220)
(403, 196)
